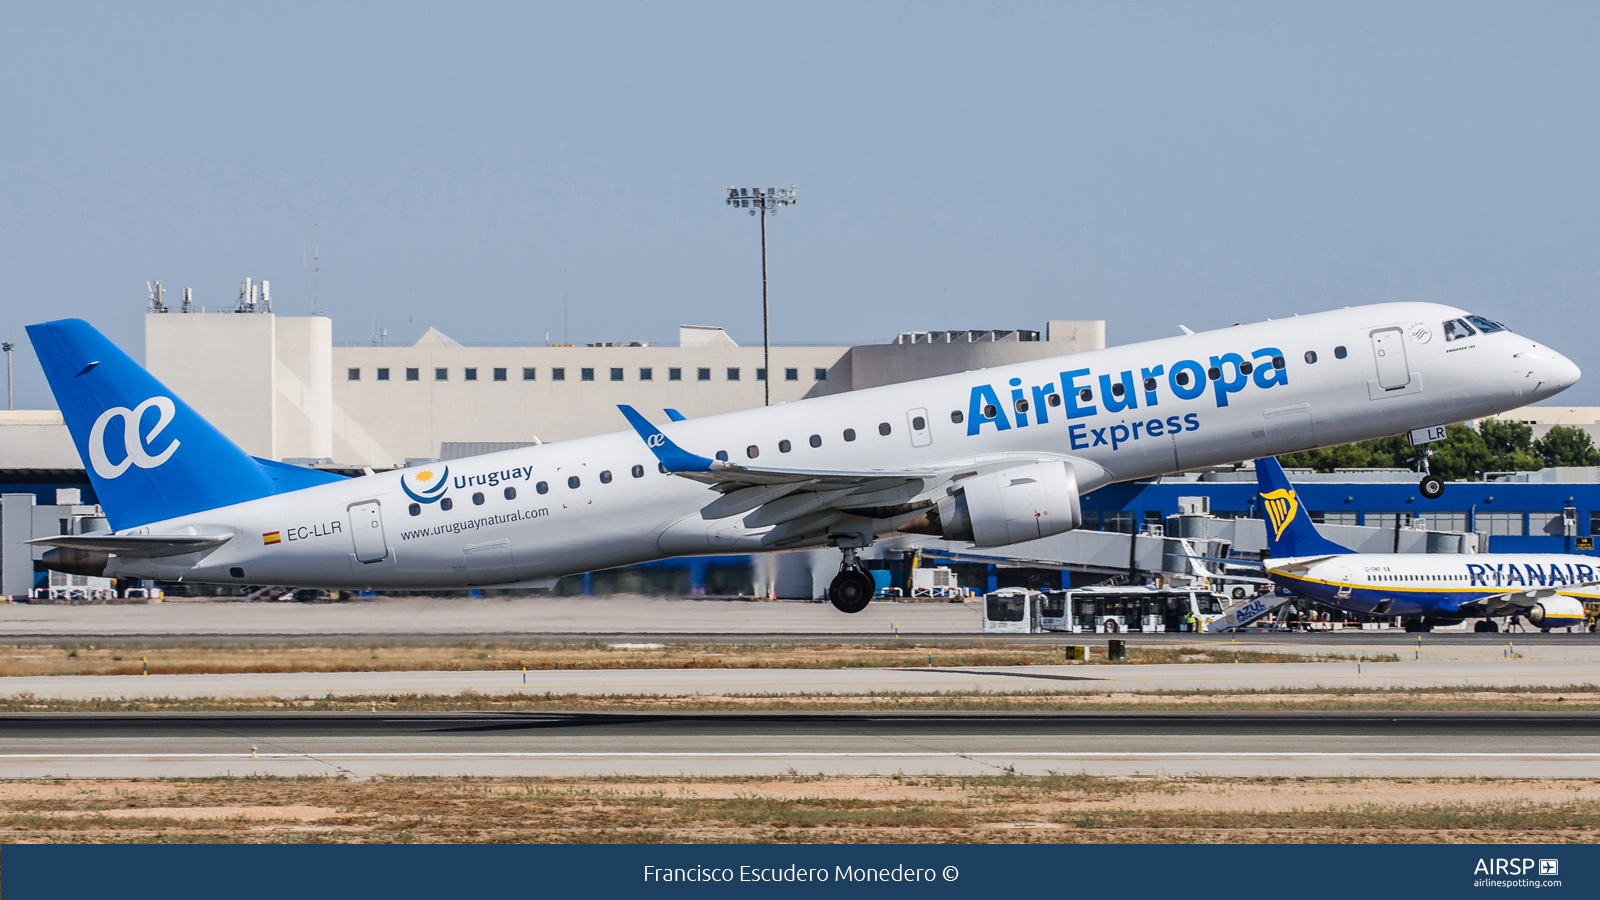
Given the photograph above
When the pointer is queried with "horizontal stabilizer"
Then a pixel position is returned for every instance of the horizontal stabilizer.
(144, 546)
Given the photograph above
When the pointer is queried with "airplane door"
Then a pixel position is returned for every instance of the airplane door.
(1388, 346)
(366, 529)
(921, 436)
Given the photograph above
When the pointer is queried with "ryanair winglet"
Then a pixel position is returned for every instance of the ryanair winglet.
(1290, 531)
(675, 458)
(149, 455)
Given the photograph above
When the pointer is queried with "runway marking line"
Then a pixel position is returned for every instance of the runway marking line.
(829, 755)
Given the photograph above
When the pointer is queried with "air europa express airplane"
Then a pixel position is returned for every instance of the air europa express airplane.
(1426, 588)
(991, 457)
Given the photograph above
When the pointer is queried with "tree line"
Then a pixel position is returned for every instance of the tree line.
(1496, 445)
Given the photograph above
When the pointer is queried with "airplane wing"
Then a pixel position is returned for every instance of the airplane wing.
(799, 503)
(1299, 566)
(136, 545)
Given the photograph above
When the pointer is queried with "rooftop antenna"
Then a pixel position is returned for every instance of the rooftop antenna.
(188, 297)
(7, 346)
(157, 297)
(566, 332)
(315, 270)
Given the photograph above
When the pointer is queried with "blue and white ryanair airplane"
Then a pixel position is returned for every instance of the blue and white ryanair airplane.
(1426, 588)
(992, 457)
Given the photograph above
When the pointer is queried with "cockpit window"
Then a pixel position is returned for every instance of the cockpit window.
(1456, 329)
(1487, 326)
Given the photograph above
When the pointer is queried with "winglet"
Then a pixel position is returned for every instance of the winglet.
(675, 458)
(674, 415)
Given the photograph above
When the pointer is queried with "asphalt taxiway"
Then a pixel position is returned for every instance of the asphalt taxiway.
(654, 744)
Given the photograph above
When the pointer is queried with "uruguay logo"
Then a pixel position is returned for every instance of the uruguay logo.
(133, 444)
(1281, 506)
(430, 487)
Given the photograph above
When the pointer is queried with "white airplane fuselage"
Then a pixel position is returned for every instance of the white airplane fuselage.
(393, 530)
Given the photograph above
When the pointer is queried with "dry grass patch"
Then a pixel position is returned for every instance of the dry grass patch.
(195, 659)
(796, 808)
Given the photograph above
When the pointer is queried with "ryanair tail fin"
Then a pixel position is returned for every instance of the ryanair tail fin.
(148, 454)
(1290, 531)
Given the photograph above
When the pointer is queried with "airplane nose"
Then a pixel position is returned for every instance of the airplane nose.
(1551, 372)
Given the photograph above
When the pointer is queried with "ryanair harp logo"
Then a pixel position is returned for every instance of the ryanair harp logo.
(1281, 506)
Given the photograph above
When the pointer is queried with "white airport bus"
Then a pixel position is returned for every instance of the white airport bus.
(1103, 610)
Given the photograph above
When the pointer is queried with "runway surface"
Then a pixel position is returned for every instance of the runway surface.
(1486, 670)
(617, 618)
(357, 745)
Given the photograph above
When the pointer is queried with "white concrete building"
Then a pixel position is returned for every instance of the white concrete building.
(279, 386)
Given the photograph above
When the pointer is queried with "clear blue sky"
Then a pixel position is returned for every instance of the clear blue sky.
(960, 165)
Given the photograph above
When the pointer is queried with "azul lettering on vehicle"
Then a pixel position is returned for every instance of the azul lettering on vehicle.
(1086, 394)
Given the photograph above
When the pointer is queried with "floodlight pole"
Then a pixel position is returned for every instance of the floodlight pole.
(763, 201)
(8, 347)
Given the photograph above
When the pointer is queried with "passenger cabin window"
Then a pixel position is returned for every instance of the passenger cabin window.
(605, 476)
(1456, 329)
(1086, 395)
(849, 434)
(573, 482)
(477, 498)
(1246, 367)
(722, 455)
(1340, 352)
(884, 429)
(1022, 405)
(447, 504)
(1311, 356)
(638, 471)
(956, 416)
(918, 423)
(415, 509)
(1214, 373)
(1278, 362)
(542, 487)
(990, 411)
(752, 451)
(816, 440)
(510, 493)
(1487, 326)
(1149, 384)
(1055, 399)
(1181, 377)
(784, 446)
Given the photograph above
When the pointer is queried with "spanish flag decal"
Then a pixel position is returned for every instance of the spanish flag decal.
(272, 537)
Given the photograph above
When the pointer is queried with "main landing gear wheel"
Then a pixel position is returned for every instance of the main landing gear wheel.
(1432, 487)
(851, 590)
(1485, 625)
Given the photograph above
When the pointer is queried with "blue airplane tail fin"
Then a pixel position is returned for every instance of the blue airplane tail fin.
(1290, 531)
(148, 454)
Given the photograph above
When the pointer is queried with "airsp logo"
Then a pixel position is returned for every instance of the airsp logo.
(136, 454)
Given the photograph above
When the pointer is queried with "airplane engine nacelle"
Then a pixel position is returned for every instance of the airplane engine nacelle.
(76, 562)
(1556, 612)
(1023, 503)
